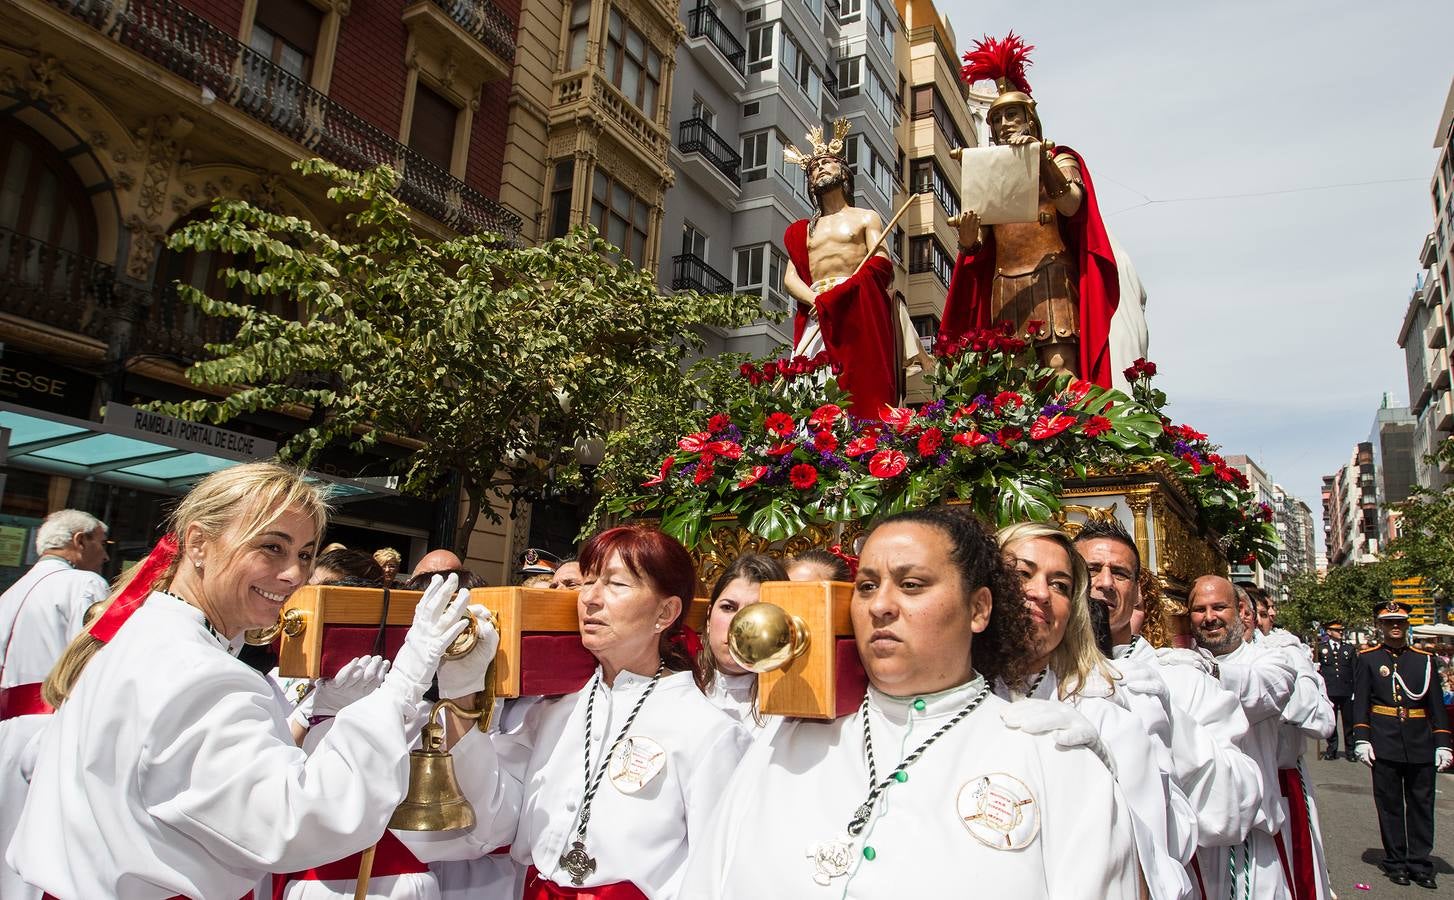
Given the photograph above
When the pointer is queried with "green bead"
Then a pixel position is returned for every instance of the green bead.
(919, 705)
(869, 853)
(901, 777)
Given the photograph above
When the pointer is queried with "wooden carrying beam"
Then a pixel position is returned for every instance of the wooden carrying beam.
(827, 680)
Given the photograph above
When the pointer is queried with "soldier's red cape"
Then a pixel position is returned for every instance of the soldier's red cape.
(857, 326)
(967, 305)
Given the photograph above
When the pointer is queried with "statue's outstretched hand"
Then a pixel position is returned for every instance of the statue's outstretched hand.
(1024, 137)
(968, 228)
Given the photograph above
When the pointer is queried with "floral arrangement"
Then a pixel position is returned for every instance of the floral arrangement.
(1000, 434)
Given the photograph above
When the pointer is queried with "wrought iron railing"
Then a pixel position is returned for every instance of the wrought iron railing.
(45, 283)
(690, 272)
(486, 21)
(187, 45)
(695, 136)
(703, 22)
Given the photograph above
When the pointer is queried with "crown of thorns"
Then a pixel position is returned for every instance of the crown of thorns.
(821, 148)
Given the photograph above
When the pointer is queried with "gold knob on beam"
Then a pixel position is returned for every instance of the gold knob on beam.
(956, 152)
(292, 622)
(763, 637)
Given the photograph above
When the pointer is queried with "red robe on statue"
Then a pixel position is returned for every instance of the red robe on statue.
(967, 306)
(856, 319)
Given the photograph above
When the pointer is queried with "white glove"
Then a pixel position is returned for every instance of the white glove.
(1443, 757)
(462, 677)
(1364, 751)
(357, 679)
(438, 620)
(1069, 728)
(1140, 679)
(1180, 656)
(1280, 639)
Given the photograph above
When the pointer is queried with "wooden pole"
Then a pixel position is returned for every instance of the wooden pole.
(884, 235)
(365, 869)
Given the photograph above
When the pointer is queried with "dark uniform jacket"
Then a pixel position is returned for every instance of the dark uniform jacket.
(1398, 704)
(1336, 667)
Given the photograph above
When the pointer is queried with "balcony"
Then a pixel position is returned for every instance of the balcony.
(1434, 335)
(717, 50)
(1439, 369)
(690, 272)
(695, 136)
(485, 22)
(830, 93)
(473, 38)
(1443, 411)
(190, 47)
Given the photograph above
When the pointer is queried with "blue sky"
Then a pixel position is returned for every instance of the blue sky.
(1273, 319)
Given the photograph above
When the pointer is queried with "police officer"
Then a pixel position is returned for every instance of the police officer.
(1335, 663)
(1401, 731)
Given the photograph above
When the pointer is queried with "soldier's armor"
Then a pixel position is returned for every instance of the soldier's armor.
(1034, 278)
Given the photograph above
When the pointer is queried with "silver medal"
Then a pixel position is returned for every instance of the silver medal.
(830, 860)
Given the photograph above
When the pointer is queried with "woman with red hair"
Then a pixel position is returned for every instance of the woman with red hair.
(602, 791)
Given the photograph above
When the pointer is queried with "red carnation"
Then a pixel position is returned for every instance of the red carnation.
(1097, 425)
(754, 478)
(825, 442)
(1046, 427)
(861, 445)
(1191, 460)
(719, 422)
(897, 416)
(782, 448)
(728, 449)
(803, 476)
(929, 441)
(703, 474)
(780, 424)
(887, 463)
(666, 465)
(1006, 398)
(1008, 435)
(825, 415)
(970, 439)
(693, 443)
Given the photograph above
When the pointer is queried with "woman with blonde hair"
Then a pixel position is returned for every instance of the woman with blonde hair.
(1068, 667)
(168, 768)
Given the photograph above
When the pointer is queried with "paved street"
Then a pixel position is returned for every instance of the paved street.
(1350, 831)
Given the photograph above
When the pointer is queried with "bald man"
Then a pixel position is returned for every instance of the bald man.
(1263, 683)
(436, 561)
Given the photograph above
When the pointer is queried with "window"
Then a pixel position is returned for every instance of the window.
(850, 10)
(760, 47)
(700, 110)
(928, 103)
(792, 54)
(620, 216)
(882, 24)
(850, 76)
(898, 243)
(926, 255)
(286, 33)
(751, 109)
(856, 76)
(560, 197)
(869, 165)
(926, 327)
(925, 175)
(694, 242)
(749, 267)
(632, 64)
(754, 156)
(580, 23)
(431, 128)
(808, 79)
(754, 264)
(794, 175)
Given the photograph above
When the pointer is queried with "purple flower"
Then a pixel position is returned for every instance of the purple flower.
(1052, 409)
(1180, 448)
(982, 400)
(833, 461)
(932, 409)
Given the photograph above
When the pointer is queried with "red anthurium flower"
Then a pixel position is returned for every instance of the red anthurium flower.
(1044, 428)
(703, 474)
(782, 448)
(896, 416)
(780, 424)
(803, 476)
(970, 439)
(1077, 389)
(929, 441)
(719, 422)
(1097, 425)
(1006, 398)
(754, 478)
(960, 413)
(861, 445)
(728, 449)
(887, 463)
(825, 415)
(693, 443)
(659, 477)
(1008, 435)
(825, 442)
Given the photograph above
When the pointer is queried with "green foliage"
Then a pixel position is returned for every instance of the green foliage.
(1345, 594)
(489, 358)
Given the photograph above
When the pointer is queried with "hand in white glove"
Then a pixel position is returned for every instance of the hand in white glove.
(438, 620)
(1180, 656)
(1364, 751)
(1139, 678)
(357, 679)
(1061, 720)
(1280, 639)
(462, 677)
(1443, 758)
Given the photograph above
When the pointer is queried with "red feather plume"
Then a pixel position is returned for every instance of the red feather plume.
(993, 59)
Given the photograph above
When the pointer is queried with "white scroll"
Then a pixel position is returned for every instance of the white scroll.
(1001, 184)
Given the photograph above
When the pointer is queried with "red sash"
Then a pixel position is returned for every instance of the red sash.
(247, 896)
(1196, 868)
(391, 858)
(23, 700)
(538, 888)
(1300, 878)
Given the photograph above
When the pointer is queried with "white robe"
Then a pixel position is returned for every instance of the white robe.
(527, 787)
(1308, 714)
(1263, 683)
(1143, 766)
(800, 784)
(171, 770)
(733, 695)
(39, 615)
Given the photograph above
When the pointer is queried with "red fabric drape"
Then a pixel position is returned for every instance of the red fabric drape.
(23, 700)
(538, 888)
(967, 305)
(391, 858)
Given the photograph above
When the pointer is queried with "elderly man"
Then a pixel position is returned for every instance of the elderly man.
(1221, 783)
(1263, 683)
(39, 615)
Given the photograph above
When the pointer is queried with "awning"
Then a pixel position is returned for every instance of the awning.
(166, 456)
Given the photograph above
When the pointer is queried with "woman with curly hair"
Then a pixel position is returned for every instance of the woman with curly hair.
(926, 778)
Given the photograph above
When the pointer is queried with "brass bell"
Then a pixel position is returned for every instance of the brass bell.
(434, 801)
(291, 622)
(763, 637)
